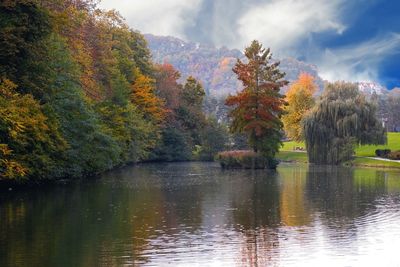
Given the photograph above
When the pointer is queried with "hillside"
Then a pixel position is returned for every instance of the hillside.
(370, 88)
(213, 66)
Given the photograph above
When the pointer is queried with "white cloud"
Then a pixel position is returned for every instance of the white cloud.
(282, 24)
(358, 62)
(160, 17)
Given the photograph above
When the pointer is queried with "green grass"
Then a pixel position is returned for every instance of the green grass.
(291, 156)
(369, 150)
(366, 162)
(288, 146)
(362, 151)
(287, 154)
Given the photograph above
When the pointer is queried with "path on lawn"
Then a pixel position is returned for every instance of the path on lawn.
(376, 158)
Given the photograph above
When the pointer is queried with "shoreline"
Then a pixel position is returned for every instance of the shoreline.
(285, 157)
(296, 157)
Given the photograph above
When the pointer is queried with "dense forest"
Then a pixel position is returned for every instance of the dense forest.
(79, 94)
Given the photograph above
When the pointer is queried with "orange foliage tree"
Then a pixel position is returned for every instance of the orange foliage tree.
(300, 101)
(257, 109)
(144, 97)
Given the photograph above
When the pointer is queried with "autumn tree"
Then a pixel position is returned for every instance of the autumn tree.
(30, 143)
(176, 141)
(258, 108)
(167, 85)
(90, 149)
(341, 120)
(144, 97)
(300, 100)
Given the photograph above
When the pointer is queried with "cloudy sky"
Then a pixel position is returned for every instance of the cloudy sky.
(357, 40)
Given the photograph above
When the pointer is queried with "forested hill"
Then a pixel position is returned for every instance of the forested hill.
(213, 66)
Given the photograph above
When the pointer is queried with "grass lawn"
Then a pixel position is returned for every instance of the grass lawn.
(362, 151)
(369, 151)
(288, 146)
(291, 156)
(374, 163)
(286, 153)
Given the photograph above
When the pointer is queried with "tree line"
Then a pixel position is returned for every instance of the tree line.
(79, 94)
(331, 125)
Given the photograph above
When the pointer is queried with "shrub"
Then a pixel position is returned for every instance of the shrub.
(394, 155)
(383, 153)
(245, 159)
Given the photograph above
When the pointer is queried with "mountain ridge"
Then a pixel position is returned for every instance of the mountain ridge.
(212, 66)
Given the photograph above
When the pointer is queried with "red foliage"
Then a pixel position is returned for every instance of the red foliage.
(167, 85)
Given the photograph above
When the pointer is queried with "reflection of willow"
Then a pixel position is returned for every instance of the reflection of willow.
(330, 188)
(256, 215)
(377, 181)
(343, 197)
(293, 206)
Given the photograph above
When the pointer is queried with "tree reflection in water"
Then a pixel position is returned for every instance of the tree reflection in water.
(198, 214)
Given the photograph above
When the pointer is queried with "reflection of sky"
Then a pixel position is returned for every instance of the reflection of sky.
(371, 238)
(377, 244)
(194, 214)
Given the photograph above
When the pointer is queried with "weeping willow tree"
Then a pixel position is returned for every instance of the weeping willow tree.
(341, 120)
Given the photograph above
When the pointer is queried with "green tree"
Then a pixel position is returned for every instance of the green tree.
(24, 28)
(190, 112)
(30, 141)
(90, 149)
(214, 139)
(174, 144)
(341, 120)
(176, 141)
(258, 108)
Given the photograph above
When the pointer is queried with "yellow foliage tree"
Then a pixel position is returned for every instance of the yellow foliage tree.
(10, 168)
(144, 97)
(300, 100)
(29, 141)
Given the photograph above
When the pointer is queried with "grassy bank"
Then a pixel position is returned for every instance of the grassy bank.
(369, 151)
(292, 156)
(367, 162)
(286, 154)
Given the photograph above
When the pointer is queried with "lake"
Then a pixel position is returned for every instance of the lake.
(196, 214)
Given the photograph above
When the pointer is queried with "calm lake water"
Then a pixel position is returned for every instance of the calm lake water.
(195, 214)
